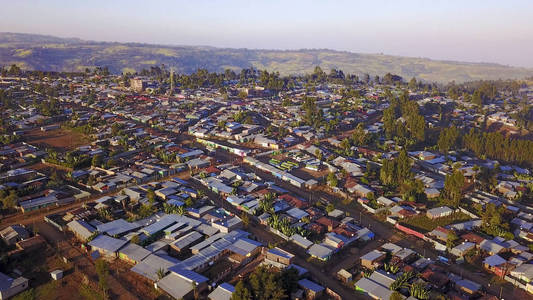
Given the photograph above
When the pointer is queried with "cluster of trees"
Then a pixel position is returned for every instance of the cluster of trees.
(284, 226)
(314, 116)
(495, 145)
(416, 289)
(9, 199)
(50, 107)
(396, 171)
(409, 130)
(272, 81)
(72, 159)
(448, 139)
(494, 221)
(453, 188)
(267, 283)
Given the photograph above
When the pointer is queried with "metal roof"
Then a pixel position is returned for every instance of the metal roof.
(117, 227)
(107, 243)
(310, 285)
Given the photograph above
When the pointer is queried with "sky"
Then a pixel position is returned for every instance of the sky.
(462, 30)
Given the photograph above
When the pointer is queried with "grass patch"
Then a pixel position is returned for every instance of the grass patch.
(88, 293)
(425, 224)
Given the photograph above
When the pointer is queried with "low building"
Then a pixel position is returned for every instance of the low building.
(279, 257)
(344, 276)
(222, 292)
(14, 233)
(106, 245)
(312, 289)
(81, 229)
(439, 212)
(133, 253)
(372, 259)
(9, 287)
(179, 282)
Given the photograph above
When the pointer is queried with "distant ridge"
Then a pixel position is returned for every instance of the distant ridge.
(43, 52)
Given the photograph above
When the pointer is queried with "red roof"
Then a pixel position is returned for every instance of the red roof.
(327, 222)
(212, 169)
(472, 237)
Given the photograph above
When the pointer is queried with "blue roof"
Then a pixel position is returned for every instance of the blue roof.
(179, 180)
(308, 284)
(227, 287)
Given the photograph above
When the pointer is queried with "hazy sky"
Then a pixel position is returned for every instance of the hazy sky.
(467, 30)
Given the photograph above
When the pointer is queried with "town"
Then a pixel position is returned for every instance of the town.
(252, 185)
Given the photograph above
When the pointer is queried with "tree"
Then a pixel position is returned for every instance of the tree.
(332, 180)
(96, 161)
(161, 273)
(150, 195)
(102, 270)
(135, 239)
(241, 292)
(243, 94)
(453, 187)
(413, 84)
(419, 291)
(10, 200)
(245, 219)
(451, 238)
(396, 296)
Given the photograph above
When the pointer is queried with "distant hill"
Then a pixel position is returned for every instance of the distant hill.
(40, 52)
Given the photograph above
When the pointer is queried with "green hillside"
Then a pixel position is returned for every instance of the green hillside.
(52, 53)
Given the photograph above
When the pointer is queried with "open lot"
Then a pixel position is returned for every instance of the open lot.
(60, 139)
(425, 224)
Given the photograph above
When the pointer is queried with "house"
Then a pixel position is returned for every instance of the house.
(179, 283)
(523, 272)
(344, 276)
(496, 264)
(461, 249)
(9, 287)
(330, 224)
(373, 289)
(491, 247)
(312, 289)
(320, 251)
(150, 266)
(439, 212)
(222, 292)
(243, 250)
(301, 241)
(14, 233)
(107, 245)
(81, 229)
(467, 286)
(186, 241)
(278, 257)
(133, 253)
(228, 225)
(117, 227)
(372, 259)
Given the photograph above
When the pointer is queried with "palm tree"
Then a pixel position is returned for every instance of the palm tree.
(161, 273)
(419, 291)
(180, 210)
